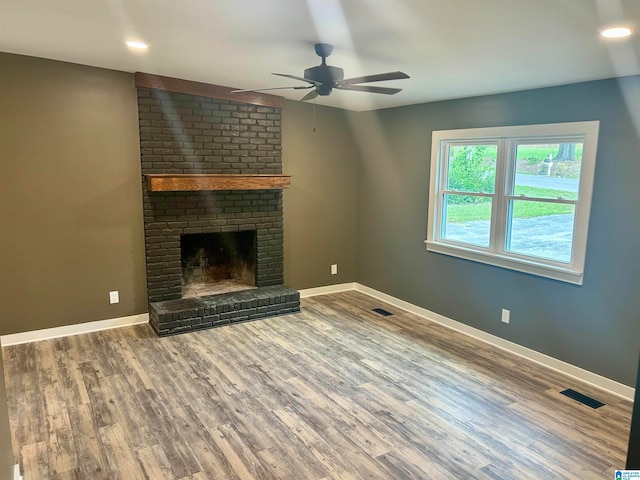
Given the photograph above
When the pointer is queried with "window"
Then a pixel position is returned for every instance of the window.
(515, 197)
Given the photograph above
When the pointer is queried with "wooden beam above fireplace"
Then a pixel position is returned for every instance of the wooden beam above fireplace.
(157, 182)
(158, 82)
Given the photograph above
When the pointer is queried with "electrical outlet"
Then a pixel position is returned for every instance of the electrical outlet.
(114, 297)
(334, 269)
(505, 315)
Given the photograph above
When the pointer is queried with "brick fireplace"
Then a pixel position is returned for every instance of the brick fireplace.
(199, 142)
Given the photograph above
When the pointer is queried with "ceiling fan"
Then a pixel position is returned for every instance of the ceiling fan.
(324, 78)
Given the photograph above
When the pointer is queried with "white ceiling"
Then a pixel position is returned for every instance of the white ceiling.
(450, 48)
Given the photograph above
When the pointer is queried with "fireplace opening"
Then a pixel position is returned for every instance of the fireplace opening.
(214, 263)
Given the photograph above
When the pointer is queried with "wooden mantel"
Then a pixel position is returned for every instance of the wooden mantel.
(192, 182)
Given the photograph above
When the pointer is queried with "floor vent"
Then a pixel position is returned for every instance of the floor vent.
(590, 402)
(382, 311)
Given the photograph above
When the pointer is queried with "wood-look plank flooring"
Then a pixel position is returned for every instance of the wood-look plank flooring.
(336, 392)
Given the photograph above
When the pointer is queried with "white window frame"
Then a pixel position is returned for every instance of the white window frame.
(506, 138)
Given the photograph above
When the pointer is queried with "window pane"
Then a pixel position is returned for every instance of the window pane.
(541, 229)
(548, 170)
(467, 219)
(472, 168)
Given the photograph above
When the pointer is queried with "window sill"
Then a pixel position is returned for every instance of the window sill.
(510, 263)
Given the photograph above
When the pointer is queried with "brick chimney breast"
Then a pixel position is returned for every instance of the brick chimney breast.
(188, 134)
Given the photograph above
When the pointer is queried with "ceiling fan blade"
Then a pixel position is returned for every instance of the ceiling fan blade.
(366, 88)
(272, 88)
(380, 77)
(309, 96)
(295, 77)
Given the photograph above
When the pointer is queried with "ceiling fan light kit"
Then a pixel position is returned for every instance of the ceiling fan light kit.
(324, 78)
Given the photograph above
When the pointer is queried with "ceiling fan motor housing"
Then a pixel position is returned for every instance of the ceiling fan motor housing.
(324, 73)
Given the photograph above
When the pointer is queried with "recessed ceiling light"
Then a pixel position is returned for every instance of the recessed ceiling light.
(616, 32)
(137, 45)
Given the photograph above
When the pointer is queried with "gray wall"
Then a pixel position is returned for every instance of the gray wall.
(320, 206)
(70, 195)
(595, 326)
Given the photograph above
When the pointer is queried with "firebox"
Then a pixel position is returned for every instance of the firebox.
(214, 263)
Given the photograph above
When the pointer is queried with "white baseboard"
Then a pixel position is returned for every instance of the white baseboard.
(67, 330)
(340, 287)
(581, 374)
(16, 472)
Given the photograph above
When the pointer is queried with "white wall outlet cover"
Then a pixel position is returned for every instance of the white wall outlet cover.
(334, 269)
(114, 297)
(505, 315)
